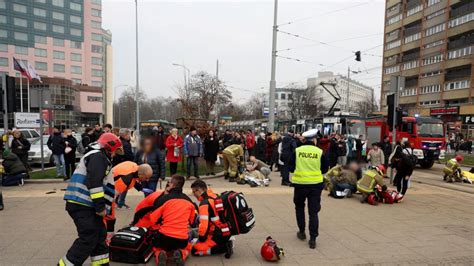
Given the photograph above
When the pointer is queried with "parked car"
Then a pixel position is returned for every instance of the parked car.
(30, 134)
(34, 155)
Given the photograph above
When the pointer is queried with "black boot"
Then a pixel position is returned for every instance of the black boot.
(301, 235)
(312, 244)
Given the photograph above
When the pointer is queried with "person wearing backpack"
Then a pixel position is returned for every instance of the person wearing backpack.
(403, 159)
(214, 235)
(308, 165)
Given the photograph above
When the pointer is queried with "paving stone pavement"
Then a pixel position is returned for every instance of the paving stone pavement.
(433, 226)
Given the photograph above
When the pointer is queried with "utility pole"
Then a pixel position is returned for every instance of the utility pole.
(5, 103)
(217, 104)
(271, 106)
(137, 81)
(347, 94)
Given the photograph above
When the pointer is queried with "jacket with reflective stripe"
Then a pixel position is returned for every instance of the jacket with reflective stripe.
(78, 192)
(125, 176)
(308, 165)
(367, 183)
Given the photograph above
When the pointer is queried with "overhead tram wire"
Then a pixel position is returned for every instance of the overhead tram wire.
(322, 14)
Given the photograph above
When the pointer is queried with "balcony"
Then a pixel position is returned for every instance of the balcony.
(456, 94)
(461, 28)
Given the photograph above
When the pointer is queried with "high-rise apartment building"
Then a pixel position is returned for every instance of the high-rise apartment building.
(60, 39)
(431, 44)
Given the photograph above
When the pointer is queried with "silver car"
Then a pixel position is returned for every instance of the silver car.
(34, 155)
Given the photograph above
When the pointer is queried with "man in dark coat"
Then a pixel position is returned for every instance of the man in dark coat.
(127, 156)
(57, 145)
(386, 149)
(260, 147)
(20, 146)
(15, 171)
(288, 146)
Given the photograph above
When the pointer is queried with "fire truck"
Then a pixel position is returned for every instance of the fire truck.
(425, 134)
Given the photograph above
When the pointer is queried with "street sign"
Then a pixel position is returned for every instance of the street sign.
(27, 120)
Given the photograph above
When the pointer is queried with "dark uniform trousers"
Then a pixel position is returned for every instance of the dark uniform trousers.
(91, 231)
(312, 193)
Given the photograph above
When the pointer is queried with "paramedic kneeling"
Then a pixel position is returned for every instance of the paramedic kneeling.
(308, 165)
(172, 215)
(214, 236)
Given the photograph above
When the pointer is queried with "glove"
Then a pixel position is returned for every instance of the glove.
(147, 191)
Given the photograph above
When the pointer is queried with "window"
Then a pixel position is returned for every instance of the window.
(21, 50)
(456, 85)
(435, 102)
(432, 2)
(58, 42)
(432, 59)
(393, 44)
(58, 16)
(58, 55)
(3, 61)
(95, 12)
(76, 32)
(96, 2)
(39, 25)
(435, 14)
(414, 10)
(40, 1)
(40, 39)
(3, 34)
(76, 57)
(39, 12)
(96, 48)
(3, 19)
(431, 74)
(283, 96)
(76, 70)
(461, 20)
(20, 36)
(460, 52)
(408, 92)
(75, 19)
(3, 47)
(41, 66)
(393, 69)
(76, 45)
(58, 29)
(96, 37)
(59, 68)
(95, 24)
(410, 65)
(413, 37)
(430, 89)
(20, 22)
(433, 44)
(394, 19)
(75, 6)
(97, 83)
(76, 81)
(2, 4)
(94, 99)
(41, 52)
(435, 29)
(19, 8)
(97, 73)
(97, 61)
(59, 3)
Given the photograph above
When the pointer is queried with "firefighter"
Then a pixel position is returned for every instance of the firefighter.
(233, 158)
(214, 235)
(342, 180)
(371, 178)
(89, 196)
(308, 165)
(127, 175)
(452, 169)
(171, 217)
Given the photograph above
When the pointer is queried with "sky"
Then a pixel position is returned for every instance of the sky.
(239, 34)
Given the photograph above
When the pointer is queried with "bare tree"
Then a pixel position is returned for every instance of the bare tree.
(366, 106)
(305, 103)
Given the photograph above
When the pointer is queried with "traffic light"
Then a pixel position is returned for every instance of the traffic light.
(399, 116)
(11, 94)
(390, 105)
(357, 54)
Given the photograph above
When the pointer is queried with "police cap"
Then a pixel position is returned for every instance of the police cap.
(312, 133)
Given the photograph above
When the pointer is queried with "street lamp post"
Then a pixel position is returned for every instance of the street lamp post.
(115, 103)
(271, 105)
(185, 69)
(137, 81)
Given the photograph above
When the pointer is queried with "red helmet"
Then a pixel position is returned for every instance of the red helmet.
(372, 200)
(459, 158)
(381, 169)
(109, 142)
(270, 251)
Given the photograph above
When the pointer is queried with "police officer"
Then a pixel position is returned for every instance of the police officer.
(308, 166)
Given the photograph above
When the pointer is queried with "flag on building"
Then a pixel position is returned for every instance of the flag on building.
(33, 74)
(19, 66)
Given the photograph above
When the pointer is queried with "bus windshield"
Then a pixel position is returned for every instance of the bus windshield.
(430, 130)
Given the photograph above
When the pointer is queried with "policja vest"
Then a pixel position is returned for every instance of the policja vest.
(308, 165)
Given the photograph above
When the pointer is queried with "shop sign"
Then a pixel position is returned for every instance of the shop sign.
(444, 111)
(468, 119)
(27, 120)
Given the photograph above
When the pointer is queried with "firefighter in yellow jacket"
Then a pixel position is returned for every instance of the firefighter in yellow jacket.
(371, 178)
(452, 169)
(233, 158)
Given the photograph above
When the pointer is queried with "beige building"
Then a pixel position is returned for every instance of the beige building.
(430, 43)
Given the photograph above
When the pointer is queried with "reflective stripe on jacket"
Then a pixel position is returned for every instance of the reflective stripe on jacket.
(368, 181)
(78, 192)
(308, 165)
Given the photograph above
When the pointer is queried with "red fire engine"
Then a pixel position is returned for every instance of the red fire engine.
(425, 134)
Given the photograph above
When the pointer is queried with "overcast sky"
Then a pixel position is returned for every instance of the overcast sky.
(239, 34)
